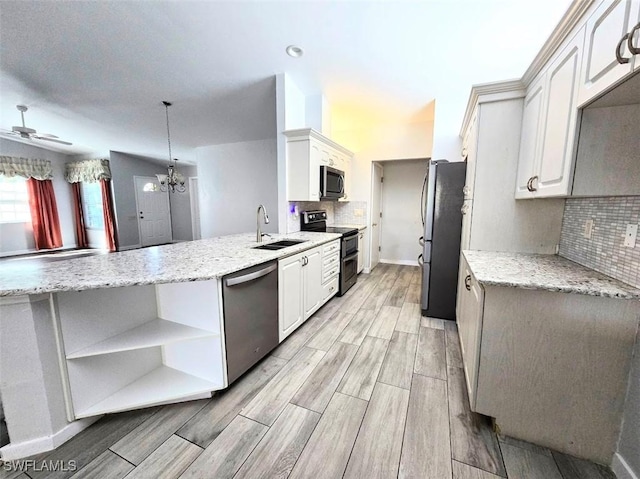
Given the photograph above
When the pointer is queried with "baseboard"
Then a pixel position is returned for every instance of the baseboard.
(622, 469)
(402, 262)
(14, 451)
(127, 248)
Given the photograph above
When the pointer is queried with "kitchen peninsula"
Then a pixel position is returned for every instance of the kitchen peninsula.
(107, 333)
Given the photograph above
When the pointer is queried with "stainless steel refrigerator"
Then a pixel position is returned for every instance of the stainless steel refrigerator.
(442, 200)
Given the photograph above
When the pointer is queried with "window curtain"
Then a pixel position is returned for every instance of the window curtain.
(26, 167)
(82, 239)
(87, 170)
(44, 214)
(109, 215)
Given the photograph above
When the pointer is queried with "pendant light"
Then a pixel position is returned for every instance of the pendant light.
(172, 181)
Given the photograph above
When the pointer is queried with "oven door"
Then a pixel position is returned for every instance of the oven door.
(349, 245)
(331, 183)
(348, 273)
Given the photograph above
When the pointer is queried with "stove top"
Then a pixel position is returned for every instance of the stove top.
(342, 231)
(316, 220)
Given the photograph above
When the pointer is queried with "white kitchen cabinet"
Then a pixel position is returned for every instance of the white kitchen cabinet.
(549, 127)
(307, 150)
(360, 251)
(605, 28)
(312, 278)
(290, 294)
(531, 118)
(132, 347)
(301, 288)
(469, 319)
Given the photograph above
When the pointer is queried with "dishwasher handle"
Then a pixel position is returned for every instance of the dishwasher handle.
(251, 276)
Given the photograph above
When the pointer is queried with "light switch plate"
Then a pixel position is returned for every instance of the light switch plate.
(630, 236)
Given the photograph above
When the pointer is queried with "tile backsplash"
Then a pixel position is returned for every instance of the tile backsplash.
(604, 252)
(338, 213)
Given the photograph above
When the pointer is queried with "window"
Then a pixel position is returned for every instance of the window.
(92, 205)
(14, 200)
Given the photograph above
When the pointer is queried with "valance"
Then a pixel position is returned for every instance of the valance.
(89, 171)
(26, 167)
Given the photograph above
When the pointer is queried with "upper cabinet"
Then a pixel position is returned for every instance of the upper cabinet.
(307, 150)
(549, 126)
(606, 30)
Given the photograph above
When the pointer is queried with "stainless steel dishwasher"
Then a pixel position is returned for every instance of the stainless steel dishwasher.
(250, 303)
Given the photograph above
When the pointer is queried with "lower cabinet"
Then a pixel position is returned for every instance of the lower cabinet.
(550, 367)
(469, 319)
(300, 289)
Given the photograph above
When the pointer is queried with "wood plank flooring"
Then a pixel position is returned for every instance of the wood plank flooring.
(366, 388)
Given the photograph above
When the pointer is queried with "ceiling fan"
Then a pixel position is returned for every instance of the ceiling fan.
(30, 133)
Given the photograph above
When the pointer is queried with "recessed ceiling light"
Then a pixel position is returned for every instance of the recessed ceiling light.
(294, 51)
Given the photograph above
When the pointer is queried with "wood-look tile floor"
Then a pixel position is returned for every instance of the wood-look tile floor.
(366, 388)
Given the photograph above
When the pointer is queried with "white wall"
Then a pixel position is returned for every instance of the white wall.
(401, 225)
(181, 209)
(233, 179)
(123, 168)
(17, 238)
(290, 114)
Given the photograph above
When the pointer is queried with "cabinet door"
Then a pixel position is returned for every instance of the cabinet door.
(469, 327)
(360, 251)
(290, 294)
(554, 169)
(530, 137)
(312, 271)
(605, 28)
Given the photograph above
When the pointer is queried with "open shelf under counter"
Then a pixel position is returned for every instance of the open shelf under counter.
(156, 332)
(160, 385)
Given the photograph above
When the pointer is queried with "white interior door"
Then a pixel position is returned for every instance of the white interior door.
(195, 208)
(376, 211)
(154, 214)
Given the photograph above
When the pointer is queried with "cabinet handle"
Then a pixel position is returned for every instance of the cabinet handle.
(464, 209)
(529, 184)
(464, 153)
(632, 48)
(467, 282)
(533, 188)
(622, 60)
(466, 190)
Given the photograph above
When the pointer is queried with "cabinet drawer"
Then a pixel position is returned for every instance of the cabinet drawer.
(331, 247)
(330, 261)
(329, 289)
(330, 272)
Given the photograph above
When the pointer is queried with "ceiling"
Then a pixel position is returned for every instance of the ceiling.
(95, 72)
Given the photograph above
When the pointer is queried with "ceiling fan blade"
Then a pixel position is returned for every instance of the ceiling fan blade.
(52, 139)
(48, 135)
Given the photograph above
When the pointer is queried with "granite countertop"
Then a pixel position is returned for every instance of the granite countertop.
(546, 272)
(172, 263)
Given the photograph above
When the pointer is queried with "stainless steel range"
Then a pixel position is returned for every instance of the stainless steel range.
(317, 221)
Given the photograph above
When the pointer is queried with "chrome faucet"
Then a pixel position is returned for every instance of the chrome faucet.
(259, 233)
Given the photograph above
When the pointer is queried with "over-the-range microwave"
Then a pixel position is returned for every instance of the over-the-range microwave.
(331, 183)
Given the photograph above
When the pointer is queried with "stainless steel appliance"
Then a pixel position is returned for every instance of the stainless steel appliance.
(250, 304)
(317, 221)
(331, 183)
(442, 199)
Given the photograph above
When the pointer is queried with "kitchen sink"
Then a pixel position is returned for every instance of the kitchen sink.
(280, 244)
